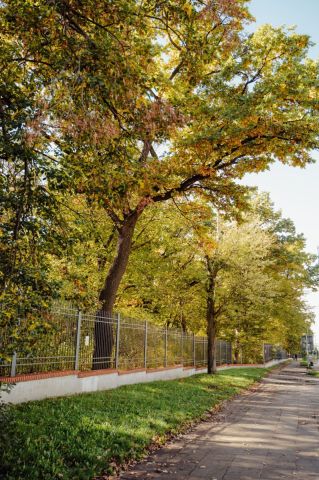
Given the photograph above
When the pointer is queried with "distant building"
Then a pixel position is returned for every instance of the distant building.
(307, 344)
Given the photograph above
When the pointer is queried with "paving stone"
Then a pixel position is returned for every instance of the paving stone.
(268, 434)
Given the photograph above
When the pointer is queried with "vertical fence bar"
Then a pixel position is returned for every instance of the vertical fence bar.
(145, 346)
(204, 350)
(117, 351)
(13, 365)
(194, 350)
(165, 358)
(182, 347)
(78, 341)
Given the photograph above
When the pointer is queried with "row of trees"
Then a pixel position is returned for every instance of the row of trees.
(116, 114)
(193, 268)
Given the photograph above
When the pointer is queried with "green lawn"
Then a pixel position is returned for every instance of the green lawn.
(80, 436)
(303, 363)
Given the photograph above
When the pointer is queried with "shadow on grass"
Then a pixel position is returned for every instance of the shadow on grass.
(80, 436)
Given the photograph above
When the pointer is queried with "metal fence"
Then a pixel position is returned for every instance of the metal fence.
(274, 352)
(74, 340)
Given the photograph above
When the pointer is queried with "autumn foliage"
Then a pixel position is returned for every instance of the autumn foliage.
(108, 109)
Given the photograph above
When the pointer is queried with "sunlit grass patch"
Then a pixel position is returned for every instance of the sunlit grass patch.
(78, 437)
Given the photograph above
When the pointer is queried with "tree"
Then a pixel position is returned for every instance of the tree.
(30, 224)
(294, 271)
(164, 278)
(239, 289)
(250, 275)
(283, 313)
(149, 100)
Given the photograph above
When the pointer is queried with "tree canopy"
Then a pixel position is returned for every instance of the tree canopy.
(109, 109)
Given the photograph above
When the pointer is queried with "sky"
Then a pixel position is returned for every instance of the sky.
(294, 191)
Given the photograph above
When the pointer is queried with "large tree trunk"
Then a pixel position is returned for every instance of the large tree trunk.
(103, 328)
(236, 348)
(211, 316)
(212, 336)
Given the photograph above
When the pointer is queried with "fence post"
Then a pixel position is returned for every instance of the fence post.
(117, 351)
(13, 364)
(165, 359)
(145, 346)
(194, 351)
(182, 347)
(78, 341)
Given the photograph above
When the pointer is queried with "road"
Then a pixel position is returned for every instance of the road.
(269, 434)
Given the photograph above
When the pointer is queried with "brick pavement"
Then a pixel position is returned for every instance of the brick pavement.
(269, 434)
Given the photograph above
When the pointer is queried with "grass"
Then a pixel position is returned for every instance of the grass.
(80, 437)
(313, 373)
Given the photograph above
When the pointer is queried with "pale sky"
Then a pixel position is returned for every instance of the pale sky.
(294, 191)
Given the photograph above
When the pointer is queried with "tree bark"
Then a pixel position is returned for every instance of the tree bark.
(212, 336)
(183, 322)
(236, 348)
(103, 327)
(236, 356)
(211, 317)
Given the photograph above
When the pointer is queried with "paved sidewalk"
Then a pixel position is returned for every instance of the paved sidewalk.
(269, 434)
